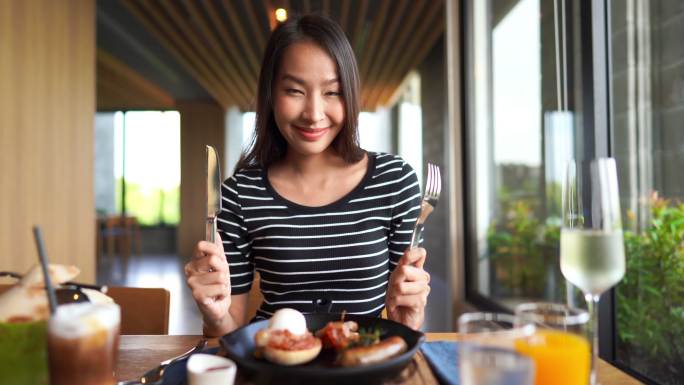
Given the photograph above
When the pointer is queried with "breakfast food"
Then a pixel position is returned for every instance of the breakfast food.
(26, 300)
(338, 334)
(374, 353)
(359, 347)
(286, 340)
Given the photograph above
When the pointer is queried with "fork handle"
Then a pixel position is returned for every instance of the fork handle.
(417, 235)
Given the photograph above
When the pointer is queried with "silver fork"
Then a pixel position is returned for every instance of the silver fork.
(433, 187)
(155, 375)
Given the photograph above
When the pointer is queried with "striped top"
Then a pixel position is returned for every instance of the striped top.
(330, 258)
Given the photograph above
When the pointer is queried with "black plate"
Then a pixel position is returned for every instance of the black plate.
(239, 346)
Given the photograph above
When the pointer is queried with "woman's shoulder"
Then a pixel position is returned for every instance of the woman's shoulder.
(385, 161)
(245, 176)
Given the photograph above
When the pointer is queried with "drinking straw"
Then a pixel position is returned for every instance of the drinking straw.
(52, 299)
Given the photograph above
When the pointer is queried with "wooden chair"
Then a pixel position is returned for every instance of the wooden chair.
(143, 310)
(118, 234)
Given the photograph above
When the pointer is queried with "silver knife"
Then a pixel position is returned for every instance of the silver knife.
(213, 193)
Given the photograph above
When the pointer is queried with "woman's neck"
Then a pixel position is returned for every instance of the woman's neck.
(316, 180)
(317, 165)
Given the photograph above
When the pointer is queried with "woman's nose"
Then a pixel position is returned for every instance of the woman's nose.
(314, 110)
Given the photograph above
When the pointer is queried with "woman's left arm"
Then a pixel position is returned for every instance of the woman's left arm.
(408, 289)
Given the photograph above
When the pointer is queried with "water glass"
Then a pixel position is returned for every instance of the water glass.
(493, 329)
(489, 365)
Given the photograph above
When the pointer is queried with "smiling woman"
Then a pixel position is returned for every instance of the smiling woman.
(325, 223)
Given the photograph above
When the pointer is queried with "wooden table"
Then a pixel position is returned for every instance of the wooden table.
(137, 354)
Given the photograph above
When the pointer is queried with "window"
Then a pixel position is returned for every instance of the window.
(648, 142)
(544, 84)
(147, 166)
(517, 141)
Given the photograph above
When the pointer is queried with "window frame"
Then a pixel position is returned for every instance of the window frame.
(597, 111)
(124, 210)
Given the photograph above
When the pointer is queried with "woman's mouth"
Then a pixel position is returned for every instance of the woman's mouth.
(311, 134)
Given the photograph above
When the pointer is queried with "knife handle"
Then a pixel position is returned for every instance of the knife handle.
(211, 229)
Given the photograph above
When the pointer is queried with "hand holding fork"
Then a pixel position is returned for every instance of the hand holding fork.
(409, 287)
(433, 187)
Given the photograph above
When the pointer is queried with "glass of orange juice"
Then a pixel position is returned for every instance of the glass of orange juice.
(559, 345)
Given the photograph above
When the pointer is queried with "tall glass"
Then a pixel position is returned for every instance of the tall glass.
(592, 255)
(490, 365)
(492, 329)
(487, 350)
(83, 344)
(559, 345)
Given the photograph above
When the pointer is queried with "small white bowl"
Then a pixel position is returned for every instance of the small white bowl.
(208, 369)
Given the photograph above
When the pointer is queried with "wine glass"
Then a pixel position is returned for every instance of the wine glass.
(592, 255)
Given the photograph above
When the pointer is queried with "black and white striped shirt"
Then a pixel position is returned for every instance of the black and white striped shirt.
(331, 258)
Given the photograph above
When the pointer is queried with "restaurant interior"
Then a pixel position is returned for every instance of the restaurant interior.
(107, 106)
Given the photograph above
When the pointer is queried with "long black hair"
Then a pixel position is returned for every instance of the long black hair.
(268, 145)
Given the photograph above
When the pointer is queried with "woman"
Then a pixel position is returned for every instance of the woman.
(325, 223)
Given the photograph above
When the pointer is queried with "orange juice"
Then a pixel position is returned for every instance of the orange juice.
(560, 358)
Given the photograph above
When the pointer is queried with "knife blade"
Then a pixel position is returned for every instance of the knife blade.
(213, 193)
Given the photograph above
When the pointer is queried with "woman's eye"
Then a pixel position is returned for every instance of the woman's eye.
(333, 93)
(293, 91)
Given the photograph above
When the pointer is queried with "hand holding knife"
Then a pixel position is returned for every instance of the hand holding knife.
(213, 193)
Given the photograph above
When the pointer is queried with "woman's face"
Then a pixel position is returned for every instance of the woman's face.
(307, 99)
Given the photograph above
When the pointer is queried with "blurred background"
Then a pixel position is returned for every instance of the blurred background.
(105, 108)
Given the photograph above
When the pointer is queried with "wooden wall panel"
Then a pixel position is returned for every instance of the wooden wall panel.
(47, 106)
(201, 124)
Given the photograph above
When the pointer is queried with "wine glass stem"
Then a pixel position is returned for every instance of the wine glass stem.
(592, 306)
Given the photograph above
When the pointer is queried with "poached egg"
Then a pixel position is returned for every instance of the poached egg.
(288, 319)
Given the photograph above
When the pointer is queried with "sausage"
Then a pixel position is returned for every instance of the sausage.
(365, 355)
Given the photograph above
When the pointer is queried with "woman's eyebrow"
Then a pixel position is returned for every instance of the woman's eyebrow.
(302, 82)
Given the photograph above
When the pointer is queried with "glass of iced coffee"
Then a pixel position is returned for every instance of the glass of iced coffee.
(83, 342)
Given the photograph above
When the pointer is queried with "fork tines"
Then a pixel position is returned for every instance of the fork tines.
(433, 185)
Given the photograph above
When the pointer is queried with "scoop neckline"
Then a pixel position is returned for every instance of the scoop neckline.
(333, 205)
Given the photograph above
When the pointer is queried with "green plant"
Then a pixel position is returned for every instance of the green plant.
(522, 248)
(151, 206)
(650, 305)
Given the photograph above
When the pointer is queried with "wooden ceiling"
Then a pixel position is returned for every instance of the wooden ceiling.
(119, 86)
(220, 43)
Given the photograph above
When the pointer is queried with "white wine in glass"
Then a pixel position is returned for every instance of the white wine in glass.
(592, 260)
(592, 254)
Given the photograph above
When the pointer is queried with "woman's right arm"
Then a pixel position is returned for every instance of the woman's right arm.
(208, 276)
